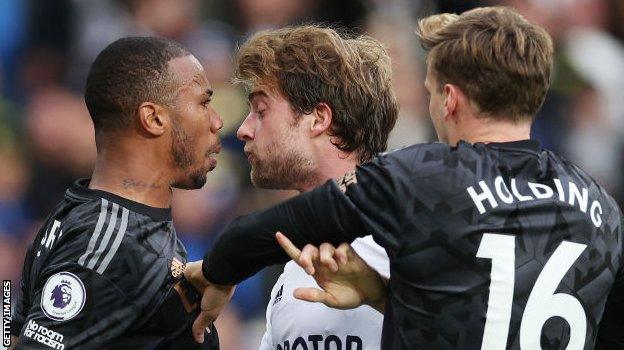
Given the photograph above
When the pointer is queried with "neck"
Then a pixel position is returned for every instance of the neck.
(331, 165)
(489, 130)
(132, 176)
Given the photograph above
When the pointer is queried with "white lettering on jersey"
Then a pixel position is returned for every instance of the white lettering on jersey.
(44, 335)
(50, 236)
(319, 342)
(578, 198)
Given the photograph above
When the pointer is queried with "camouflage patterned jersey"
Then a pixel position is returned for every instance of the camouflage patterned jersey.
(105, 272)
(491, 246)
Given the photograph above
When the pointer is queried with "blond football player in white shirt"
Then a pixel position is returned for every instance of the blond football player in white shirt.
(320, 104)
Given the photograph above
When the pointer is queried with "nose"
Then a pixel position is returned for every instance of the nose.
(245, 132)
(217, 123)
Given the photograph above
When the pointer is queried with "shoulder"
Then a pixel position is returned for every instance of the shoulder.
(89, 233)
(420, 165)
(425, 159)
(417, 153)
(565, 168)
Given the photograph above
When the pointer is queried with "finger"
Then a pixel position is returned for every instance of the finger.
(326, 253)
(342, 253)
(290, 249)
(309, 255)
(313, 295)
(201, 323)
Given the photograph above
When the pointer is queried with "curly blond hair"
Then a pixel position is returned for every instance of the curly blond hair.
(311, 64)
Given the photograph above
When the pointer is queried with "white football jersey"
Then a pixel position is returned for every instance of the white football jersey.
(295, 324)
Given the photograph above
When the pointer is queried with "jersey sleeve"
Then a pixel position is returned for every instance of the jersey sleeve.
(611, 328)
(21, 307)
(267, 338)
(365, 202)
(74, 306)
(373, 254)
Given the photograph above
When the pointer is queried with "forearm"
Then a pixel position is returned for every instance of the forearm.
(248, 244)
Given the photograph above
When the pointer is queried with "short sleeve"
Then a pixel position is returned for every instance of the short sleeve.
(75, 307)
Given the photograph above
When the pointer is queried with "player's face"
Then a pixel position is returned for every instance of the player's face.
(195, 125)
(436, 103)
(275, 142)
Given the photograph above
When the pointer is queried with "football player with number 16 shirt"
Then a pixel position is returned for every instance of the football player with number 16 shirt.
(494, 242)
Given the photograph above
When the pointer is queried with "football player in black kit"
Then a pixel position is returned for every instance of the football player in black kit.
(494, 242)
(106, 269)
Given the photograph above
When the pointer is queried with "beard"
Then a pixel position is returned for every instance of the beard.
(282, 168)
(182, 151)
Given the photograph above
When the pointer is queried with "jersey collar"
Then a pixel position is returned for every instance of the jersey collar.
(532, 146)
(80, 188)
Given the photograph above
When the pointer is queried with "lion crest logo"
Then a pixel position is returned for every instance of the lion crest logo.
(61, 294)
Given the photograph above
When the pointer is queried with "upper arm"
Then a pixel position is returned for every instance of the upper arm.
(266, 343)
(611, 327)
(379, 195)
(74, 306)
(368, 203)
(267, 338)
(21, 304)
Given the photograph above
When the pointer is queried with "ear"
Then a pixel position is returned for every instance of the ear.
(322, 119)
(452, 95)
(153, 118)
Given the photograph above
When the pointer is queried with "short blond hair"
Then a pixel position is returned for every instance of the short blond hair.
(311, 64)
(500, 60)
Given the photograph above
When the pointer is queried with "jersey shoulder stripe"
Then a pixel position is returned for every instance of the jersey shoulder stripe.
(115, 246)
(100, 244)
(96, 232)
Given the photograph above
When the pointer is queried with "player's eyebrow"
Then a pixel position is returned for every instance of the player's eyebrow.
(253, 94)
(209, 92)
(198, 79)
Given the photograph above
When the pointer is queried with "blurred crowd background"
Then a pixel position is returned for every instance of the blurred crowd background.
(46, 136)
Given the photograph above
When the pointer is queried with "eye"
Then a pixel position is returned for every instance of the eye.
(260, 113)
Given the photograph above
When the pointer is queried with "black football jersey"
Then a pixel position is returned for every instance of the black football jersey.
(105, 272)
(491, 246)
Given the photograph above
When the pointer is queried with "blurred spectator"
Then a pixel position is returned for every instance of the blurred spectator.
(394, 28)
(62, 143)
(13, 30)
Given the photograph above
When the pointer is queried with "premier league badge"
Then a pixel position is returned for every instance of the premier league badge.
(63, 296)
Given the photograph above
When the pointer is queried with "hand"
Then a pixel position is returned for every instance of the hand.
(214, 298)
(346, 280)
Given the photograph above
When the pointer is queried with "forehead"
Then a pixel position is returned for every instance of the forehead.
(265, 91)
(189, 72)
